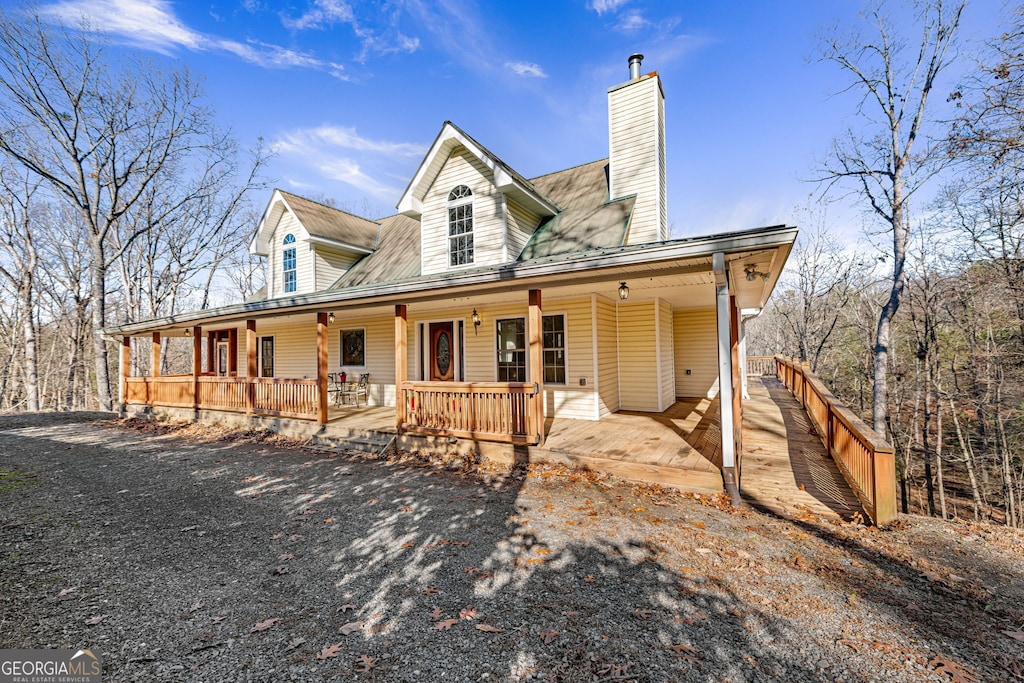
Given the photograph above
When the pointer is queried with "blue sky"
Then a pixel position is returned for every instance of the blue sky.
(351, 94)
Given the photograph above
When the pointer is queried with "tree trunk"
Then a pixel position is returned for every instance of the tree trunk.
(938, 458)
(926, 443)
(968, 462)
(99, 320)
(28, 326)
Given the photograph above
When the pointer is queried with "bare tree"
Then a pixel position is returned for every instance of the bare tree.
(99, 137)
(883, 161)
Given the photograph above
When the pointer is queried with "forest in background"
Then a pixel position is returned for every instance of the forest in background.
(121, 199)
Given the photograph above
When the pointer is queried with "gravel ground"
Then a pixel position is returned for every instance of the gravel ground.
(187, 554)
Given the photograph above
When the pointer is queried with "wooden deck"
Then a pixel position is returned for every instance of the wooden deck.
(786, 469)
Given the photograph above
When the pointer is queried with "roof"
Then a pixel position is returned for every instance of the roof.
(333, 224)
(396, 258)
(587, 221)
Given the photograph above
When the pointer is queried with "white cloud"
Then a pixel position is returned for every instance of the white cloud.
(632, 21)
(603, 6)
(340, 153)
(373, 40)
(152, 25)
(526, 69)
(322, 13)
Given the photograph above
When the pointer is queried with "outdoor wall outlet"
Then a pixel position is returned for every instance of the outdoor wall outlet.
(688, 371)
(583, 381)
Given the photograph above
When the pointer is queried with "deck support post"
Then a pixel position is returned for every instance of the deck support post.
(535, 329)
(154, 370)
(126, 368)
(723, 309)
(401, 362)
(321, 366)
(250, 366)
(197, 365)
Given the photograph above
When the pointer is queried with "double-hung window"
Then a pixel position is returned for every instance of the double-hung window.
(266, 348)
(288, 264)
(460, 226)
(512, 350)
(554, 349)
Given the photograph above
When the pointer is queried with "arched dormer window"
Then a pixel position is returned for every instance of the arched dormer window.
(288, 264)
(460, 226)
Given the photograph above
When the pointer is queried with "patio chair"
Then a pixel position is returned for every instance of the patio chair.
(335, 385)
(357, 389)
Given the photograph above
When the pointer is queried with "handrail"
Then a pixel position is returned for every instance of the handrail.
(269, 396)
(759, 366)
(487, 411)
(867, 461)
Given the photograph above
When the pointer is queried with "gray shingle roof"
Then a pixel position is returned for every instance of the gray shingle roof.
(397, 256)
(333, 224)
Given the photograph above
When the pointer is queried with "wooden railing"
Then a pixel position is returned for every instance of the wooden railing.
(867, 461)
(296, 398)
(759, 366)
(286, 397)
(486, 411)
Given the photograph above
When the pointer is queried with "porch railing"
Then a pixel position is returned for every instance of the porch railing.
(295, 398)
(867, 461)
(759, 366)
(487, 411)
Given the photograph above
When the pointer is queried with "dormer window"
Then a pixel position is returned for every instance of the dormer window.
(460, 226)
(288, 264)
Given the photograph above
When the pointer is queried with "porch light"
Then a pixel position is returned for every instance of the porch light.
(623, 291)
(330, 318)
(188, 331)
(476, 319)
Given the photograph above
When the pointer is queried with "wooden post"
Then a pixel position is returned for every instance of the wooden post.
(321, 365)
(535, 326)
(126, 369)
(401, 362)
(197, 363)
(250, 366)
(737, 382)
(884, 463)
(723, 317)
(155, 370)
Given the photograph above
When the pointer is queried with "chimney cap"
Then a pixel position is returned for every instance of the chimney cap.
(634, 65)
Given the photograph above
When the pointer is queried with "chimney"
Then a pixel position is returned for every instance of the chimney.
(636, 154)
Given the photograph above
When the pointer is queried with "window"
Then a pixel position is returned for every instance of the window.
(460, 226)
(288, 264)
(554, 349)
(512, 350)
(353, 348)
(266, 356)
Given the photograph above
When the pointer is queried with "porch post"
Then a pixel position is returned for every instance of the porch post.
(743, 356)
(723, 311)
(197, 363)
(401, 362)
(321, 365)
(737, 385)
(535, 328)
(154, 371)
(126, 368)
(250, 366)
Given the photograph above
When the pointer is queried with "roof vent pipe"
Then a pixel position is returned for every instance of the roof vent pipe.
(634, 66)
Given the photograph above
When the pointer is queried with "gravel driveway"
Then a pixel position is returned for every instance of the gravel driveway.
(184, 555)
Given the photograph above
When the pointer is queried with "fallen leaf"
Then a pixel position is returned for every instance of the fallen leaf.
(294, 643)
(66, 591)
(487, 628)
(410, 544)
(436, 614)
(699, 525)
(643, 613)
(190, 528)
(286, 556)
(405, 508)
(276, 536)
(329, 520)
(548, 635)
(445, 625)
(219, 618)
(468, 613)
(195, 606)
(329, 652)
(1016, 635)
(589, 578)
(431, 590)
(683, 648)
(351, 627)
(280, 570)
(365, 662)
(92, 621)
(957, 673)
(294, 537)
(472, 570)
(346, 607)
(264, 625)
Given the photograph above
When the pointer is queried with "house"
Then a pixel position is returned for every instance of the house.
(490, 304)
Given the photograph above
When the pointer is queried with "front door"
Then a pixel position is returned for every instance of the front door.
(442, 352)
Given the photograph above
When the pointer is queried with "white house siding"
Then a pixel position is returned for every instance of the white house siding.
(638, 366)
(636, 134)
(380, 355)
(696, 349)
(330, 265)
(607, 358)
(462, 168)
(521, 225)
(666, 383)
(303, 258)
(480, 350)
(294, 345)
